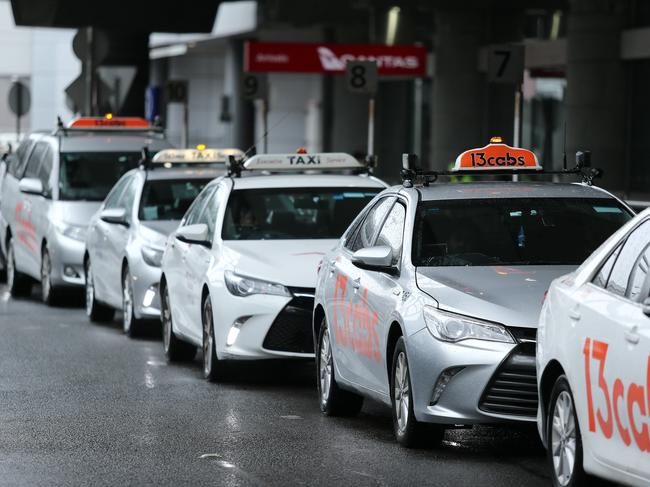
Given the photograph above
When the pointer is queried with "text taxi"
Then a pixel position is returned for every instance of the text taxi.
(593, 359)
(430, 301)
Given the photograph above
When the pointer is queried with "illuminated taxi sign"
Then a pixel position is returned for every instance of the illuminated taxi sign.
(300, 162)
(497, 156)
(177, 156)
(109, 121)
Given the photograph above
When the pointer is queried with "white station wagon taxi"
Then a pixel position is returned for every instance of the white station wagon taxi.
(238, 275)
(593, 362)
(430, 301)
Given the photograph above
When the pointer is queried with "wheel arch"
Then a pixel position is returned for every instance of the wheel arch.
(319, 314)
(394, 333)
(552, 371)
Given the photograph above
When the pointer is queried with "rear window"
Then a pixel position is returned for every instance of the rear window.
(293, 213)
(501, 231)
(168, 199)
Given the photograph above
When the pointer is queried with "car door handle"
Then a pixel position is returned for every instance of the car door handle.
(332, 267)
(356, 284)
(575, 315)
(632, 336)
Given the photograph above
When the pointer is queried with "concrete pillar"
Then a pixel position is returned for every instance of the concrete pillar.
(243, 113)
(458, 87)
(595, 102)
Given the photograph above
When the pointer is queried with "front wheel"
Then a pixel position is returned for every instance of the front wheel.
(176, 350)
(96, 312)
(18, 283)
(409, 432)
(212, 366)
(334, 401)
(49, 295)
(131, 326)
(563, 438)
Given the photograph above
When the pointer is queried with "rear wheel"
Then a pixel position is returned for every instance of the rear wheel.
(18, 283)
(176, 350)
(131, 325)
(49, 295)
(334, 401)
(95, 311)
(212, 366)
(409, 432)
(563, 439)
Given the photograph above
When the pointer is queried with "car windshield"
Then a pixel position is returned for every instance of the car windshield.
(90, 175)
(293, 213)
(168, 199)
(534, 231)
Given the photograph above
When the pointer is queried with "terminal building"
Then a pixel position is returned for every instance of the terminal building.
(583, 70)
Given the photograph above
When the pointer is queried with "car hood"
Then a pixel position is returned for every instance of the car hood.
(75, 212)
(289, 262)
(509, 295)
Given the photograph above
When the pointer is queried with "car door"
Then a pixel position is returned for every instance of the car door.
(97, 240)
(379, 295)
(343, 315)
(176, 274)
(41, 204)
(28, 237)
(610, 388)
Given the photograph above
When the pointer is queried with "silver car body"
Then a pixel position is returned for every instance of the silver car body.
(366, 310)
(36, 222)
(112, 247)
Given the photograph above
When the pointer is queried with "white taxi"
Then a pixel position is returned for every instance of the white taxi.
(593, 364)
(238, 275)
(430, 301)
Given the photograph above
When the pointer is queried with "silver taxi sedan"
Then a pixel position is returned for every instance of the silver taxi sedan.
(430, 301)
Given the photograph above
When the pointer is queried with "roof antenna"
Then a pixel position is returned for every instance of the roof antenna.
(564, 155)
(264, 136)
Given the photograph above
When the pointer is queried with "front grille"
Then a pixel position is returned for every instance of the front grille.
(523, 335)
(291, 330)
(512, 390)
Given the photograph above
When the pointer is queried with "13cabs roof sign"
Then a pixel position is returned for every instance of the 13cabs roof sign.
(110, 122)
(497, 156)
(198, 155)
(293, 162)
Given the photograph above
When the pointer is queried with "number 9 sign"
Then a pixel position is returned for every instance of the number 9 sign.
(254, 86)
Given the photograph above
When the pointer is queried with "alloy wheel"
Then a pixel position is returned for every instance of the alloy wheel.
(127, 303)
(11, 266)
(166, 321)
(90, 290)
(325, 367)
(401, 392)
(208, 341)
(46, 269)
(563, 438)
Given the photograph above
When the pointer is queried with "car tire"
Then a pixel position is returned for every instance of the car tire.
(213, 368)
(409, 432)
(131, 326)
(563, 439)
(333, 400)
(49, 295)
(96, 312)
(176, 350)
(19, 284)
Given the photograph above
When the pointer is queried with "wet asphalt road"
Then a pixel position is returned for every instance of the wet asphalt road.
(80, 404)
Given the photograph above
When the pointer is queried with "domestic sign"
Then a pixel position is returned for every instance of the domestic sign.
(286, 57)
(361, 77)
(19, 99)
(506, 63)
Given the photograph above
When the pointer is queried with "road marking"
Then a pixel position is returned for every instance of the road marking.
(291, 417)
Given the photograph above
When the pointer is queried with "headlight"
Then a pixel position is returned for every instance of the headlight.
(245, 286)
(152, 256)
(75, 232)
(450, 327)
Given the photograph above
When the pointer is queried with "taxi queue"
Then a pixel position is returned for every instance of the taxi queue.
(412, 295)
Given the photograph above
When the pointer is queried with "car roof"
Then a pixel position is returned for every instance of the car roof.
(160, 174)
(307, 181)
(509, 189)
(108, 142)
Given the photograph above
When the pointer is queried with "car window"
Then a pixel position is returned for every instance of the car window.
(168, 199)
(603, 274)
(34, 161)
(639, 274)
(194, 212)
(19, 159)
(127, 199)
(209, 214)
(370, 225)
(45, 171)
(350, 234)
(621, 272)
(114, 195)
(392, 233)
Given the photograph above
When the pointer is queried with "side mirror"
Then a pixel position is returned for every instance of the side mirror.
(646, 307)
(116, 216)
(31, 186)
(379, 258)
(195, 234)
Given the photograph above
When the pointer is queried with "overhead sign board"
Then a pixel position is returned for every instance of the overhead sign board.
(287, 57)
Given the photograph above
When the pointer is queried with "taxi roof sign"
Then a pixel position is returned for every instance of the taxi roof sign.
(301, 162)
(193, 156)
(497, 156)
(110, 122)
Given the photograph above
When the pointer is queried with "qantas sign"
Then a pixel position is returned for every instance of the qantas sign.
(285, 57)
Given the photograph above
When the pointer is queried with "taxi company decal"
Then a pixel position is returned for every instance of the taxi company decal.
(331, 58)
(355, 326)
(25, 233)
(497, 156)
(626, 408)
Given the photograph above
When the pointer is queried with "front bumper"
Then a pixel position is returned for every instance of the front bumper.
(263, 326)
(475, 393)
(146, 293)
(66, 257)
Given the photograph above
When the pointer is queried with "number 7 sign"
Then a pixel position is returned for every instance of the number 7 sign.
(506, 63)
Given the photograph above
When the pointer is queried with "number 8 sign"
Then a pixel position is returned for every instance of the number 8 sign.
(361, 77)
